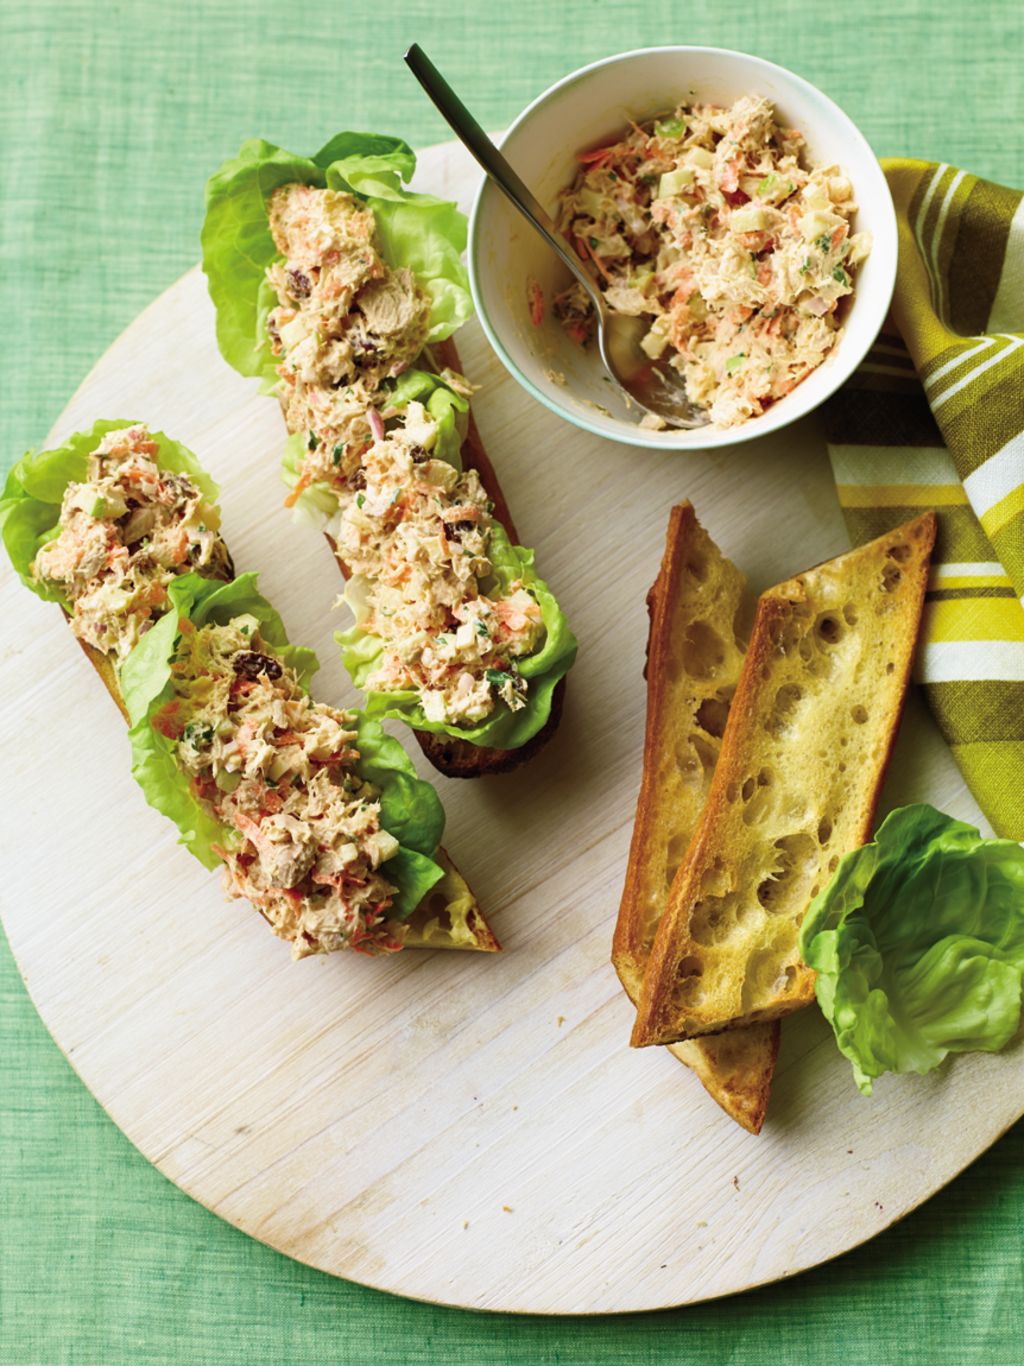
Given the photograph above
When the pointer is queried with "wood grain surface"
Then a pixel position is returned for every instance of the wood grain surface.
(452, 1127)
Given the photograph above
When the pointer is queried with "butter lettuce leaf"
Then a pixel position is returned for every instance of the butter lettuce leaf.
(410, 808)
(424, 234)
(504, 729)
(35, 487)
(918, 943)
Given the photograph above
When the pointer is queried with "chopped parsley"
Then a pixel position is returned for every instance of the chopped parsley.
(824, 243)
(337, 453)
(313, 442)
(360, 500)
(498, 678)
(840, 275)
(734, 363)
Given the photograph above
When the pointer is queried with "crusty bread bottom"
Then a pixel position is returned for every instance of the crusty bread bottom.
(809, 735)
(693, 664)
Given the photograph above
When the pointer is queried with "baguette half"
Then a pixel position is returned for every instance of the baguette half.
(809, 735)
(693, 664)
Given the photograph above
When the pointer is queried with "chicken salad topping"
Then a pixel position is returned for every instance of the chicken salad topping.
(281, 771)
(413, 531)
(124, 534)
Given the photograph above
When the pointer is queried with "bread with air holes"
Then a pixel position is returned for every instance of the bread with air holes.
(693, 664)
(809, 735)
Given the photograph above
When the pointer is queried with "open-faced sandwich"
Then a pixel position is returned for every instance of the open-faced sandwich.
(340, 289)
(317, 816)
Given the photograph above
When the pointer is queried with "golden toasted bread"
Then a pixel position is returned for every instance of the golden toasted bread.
(809, 735)
(693, 664)
(447, 918)
(451, 756)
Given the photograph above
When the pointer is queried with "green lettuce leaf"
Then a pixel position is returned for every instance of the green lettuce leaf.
(410, 808)
(504, 729)
(30, 506)
(425, 234)
(918, 942)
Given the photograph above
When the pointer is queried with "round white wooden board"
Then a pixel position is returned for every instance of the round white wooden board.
(468, 1129)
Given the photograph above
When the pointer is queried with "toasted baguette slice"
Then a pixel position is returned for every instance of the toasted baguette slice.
(447, 918)
(451, 756)
(808, 738)
(693, 664)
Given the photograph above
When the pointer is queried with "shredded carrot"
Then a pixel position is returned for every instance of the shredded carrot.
(305, 479)
(597, 260)
(164, 721)
(596, 155)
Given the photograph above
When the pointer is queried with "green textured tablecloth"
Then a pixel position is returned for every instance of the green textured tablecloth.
(110, 118)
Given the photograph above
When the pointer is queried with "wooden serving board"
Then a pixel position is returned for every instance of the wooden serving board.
(460, 1128)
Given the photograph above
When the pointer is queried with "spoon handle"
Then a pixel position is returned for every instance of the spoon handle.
(473, 137)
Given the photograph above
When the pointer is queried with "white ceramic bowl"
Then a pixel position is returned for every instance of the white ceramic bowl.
(593, 104)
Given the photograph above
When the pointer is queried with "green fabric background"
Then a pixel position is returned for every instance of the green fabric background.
(111, 116)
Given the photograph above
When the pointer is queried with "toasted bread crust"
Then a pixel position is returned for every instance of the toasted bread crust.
(696, 596)
(451, 756)
(795, 788)
(736, 1068)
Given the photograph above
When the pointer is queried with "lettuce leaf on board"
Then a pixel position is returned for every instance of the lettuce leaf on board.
(918, 942)
(35, 487)
(425, 234)
(410, 808)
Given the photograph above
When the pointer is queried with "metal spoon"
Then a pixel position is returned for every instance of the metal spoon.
(655, 385)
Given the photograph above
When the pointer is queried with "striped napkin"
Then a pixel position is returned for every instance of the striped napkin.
(934, 417)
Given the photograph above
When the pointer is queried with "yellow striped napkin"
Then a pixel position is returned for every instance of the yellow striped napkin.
(934, 417)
